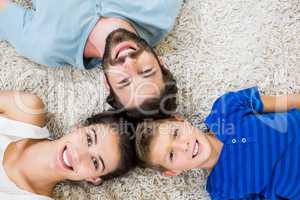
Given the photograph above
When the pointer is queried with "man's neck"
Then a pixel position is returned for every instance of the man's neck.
(3, 4)
(95, 44)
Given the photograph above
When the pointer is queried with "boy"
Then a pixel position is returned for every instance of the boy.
(251, 151)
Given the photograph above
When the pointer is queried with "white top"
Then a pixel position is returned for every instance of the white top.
(11, 131)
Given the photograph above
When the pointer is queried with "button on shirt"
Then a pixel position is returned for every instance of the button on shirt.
(260, 158)
(55, 32)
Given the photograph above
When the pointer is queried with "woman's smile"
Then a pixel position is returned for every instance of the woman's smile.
(65, 159)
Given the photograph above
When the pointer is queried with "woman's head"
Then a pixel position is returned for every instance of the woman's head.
(97, 150)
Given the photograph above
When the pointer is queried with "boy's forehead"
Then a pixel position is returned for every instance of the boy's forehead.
(167, 127)
(158, 147)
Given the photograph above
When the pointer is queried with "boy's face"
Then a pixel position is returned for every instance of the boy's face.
(179, 146)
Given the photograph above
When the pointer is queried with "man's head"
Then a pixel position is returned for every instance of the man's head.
(97, 150)
(171, 146)
(136, 76)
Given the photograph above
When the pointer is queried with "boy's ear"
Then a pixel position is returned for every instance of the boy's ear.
(95, 181)
(170, 173)
(178, 117)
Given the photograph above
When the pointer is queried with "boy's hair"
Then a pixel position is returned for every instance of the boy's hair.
(144, 137)
(125, 130)
(161, 106)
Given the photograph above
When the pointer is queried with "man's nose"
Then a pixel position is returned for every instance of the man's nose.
(130, 64)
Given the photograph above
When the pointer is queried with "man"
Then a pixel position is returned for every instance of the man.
(74, 32)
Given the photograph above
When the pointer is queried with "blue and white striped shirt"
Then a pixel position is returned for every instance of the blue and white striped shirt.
(261, 154)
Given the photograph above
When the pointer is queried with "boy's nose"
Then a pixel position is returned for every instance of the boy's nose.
(182, 146)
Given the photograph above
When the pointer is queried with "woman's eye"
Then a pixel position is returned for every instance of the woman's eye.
(89, 140)
(95, 163)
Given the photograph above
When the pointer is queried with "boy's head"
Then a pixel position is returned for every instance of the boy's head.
(172, 146)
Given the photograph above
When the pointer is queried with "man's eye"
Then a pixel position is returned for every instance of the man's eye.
(95, 163)
(146, 71)
(171, 155)
(124, 81)
(89, 140)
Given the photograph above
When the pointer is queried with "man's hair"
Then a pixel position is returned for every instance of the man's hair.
(157, 107)
(144, 136)
(125, 131)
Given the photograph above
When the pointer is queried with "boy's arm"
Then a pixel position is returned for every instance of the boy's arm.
(22, 107)
(280, 103)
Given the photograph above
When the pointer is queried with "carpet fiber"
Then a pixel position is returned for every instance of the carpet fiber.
(216, 46)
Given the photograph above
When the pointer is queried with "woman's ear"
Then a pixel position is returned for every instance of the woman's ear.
(95, 181)
(170, 173)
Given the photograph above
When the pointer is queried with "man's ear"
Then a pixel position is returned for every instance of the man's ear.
(162, 62)
(95, 181)
(106, 84)
(170, 173)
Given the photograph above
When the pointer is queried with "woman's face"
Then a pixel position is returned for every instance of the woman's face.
(88, 153)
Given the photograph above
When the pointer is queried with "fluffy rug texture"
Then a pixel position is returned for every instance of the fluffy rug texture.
(216, 46)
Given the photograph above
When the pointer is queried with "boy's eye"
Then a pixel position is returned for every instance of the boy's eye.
(171, 155)
(176, 133)
(89, 140)
(95, 163)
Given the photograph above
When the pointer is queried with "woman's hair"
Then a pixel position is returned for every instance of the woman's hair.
(125, 130)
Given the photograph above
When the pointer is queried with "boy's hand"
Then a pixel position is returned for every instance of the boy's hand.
(3, 4)
(281, 103)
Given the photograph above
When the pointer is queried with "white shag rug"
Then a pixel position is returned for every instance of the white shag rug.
(216, 46)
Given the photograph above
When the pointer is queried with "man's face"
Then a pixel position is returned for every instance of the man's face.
(132, 70)
(178, 146)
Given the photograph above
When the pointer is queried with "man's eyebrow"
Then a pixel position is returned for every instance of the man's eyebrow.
(103, 165)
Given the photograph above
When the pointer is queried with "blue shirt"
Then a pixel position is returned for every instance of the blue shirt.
(261, 154)
(55, 32)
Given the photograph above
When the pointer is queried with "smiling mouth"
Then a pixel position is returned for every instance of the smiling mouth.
(196, 149)
(124, 49)
(66, 159)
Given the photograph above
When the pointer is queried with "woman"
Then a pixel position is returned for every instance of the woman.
(31, 164)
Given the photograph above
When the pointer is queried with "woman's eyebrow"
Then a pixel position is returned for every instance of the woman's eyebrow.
(95, 135)
(103, 165)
